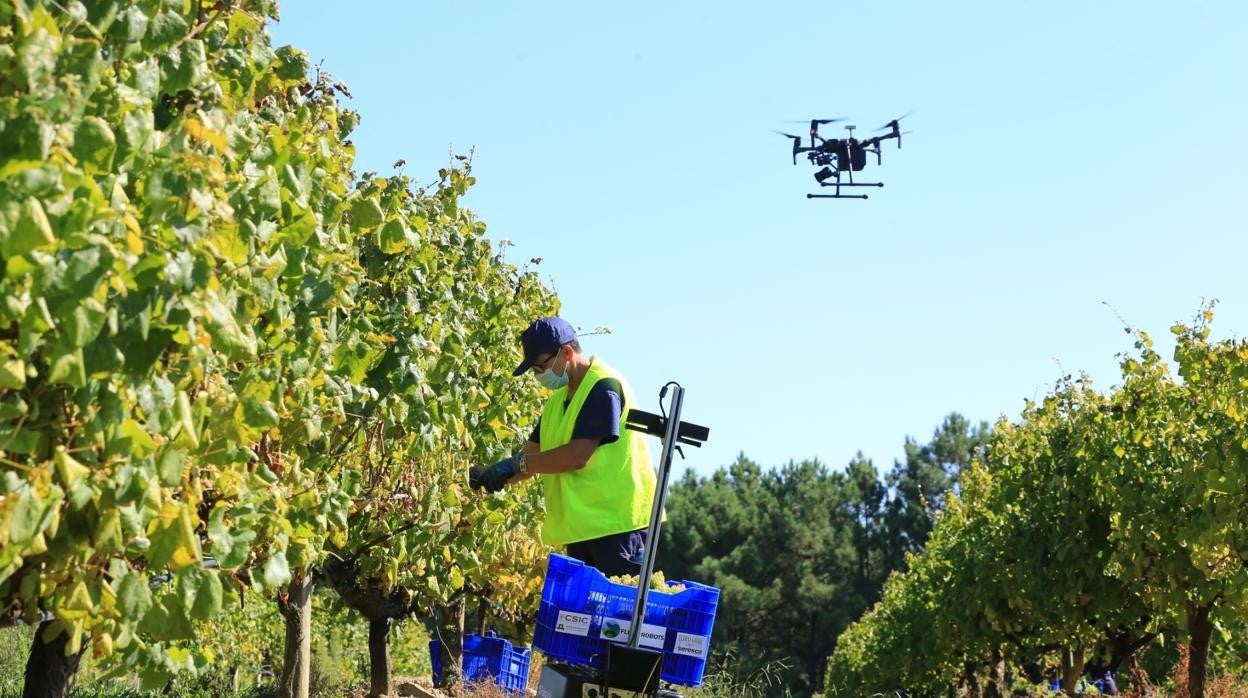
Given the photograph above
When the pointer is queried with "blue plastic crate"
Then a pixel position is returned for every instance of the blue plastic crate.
(488, 657)
(582, 610)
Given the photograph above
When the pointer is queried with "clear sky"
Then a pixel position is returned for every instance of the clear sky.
(1065, 155)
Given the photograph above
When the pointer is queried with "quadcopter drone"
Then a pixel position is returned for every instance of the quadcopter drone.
(843, 156)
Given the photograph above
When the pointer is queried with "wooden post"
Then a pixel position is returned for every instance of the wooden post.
(296, 608)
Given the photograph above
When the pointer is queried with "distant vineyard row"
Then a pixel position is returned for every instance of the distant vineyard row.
(1093, 524)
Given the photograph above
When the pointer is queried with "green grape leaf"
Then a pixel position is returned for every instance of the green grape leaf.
(259, 413)
(134, 596)
(165, 28)
(36, 57)
(136, 439)
(392, 237)
(27, 519)
(276, 570)
(84, 323)
(69, 368)
(32, 231)
(237, 342)
(200, 591)
(169, 465)
(366, 213)
(94, 144)
(130, 26)
(292, 63)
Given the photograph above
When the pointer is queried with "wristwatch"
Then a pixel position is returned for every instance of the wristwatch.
(522, 463)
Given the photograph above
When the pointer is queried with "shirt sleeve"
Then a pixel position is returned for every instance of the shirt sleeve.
(536, 436)
(600, 415)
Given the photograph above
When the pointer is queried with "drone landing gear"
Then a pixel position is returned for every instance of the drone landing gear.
(836, 196)
(839, 195)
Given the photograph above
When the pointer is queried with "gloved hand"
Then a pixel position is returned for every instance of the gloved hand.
(493, 477)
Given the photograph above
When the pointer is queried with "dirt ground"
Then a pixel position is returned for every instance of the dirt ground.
(422, 687)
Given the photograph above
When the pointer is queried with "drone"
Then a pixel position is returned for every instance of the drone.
(843, 156)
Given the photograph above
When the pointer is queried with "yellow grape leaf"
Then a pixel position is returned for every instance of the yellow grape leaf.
(501, 430)
(68, 469)
(37, 546)
(134, 233)
(74, 646)
(185, 418)
(173, 537)
(228, 243)
(12, 374)
(101, 645)
(78, 605)
(202, 133)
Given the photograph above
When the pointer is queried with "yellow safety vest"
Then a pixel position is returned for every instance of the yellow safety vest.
(614, 492)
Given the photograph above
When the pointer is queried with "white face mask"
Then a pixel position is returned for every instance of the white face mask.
(552, 380)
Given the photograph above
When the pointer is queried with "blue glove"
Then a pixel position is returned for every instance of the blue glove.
(492, 478)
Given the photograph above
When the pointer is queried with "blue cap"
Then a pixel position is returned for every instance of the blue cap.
(544, 336)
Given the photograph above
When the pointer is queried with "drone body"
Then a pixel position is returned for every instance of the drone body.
(839, 157)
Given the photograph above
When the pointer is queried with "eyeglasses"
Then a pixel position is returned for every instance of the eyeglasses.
(547, 363)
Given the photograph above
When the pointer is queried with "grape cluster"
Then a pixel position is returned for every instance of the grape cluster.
(657, 583)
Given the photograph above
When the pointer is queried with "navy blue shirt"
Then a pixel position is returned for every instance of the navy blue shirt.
(600, 415)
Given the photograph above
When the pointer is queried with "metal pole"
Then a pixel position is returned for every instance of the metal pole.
(656, 516)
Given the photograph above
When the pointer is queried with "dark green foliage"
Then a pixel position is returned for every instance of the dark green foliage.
(799, 552)
(918, 484)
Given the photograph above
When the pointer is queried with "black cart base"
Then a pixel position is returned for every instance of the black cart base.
(576, 682)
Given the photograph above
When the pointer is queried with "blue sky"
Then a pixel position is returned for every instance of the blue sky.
(1064, 156)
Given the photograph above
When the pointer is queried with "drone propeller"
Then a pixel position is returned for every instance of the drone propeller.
(797, 143)
(876, 139)
(893, 123)
(814, 126)
(896, 130)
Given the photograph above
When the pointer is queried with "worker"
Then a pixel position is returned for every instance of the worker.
(596, 475)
